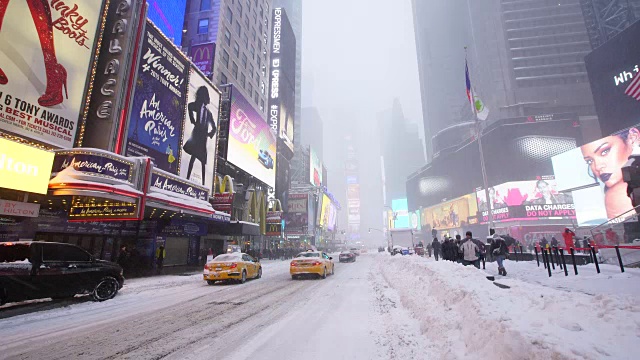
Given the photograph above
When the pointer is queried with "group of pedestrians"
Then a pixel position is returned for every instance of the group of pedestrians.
(470, 251)
(281, 254)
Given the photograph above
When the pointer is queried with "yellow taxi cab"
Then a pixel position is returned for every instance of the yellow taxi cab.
(311, 263)
(232, 267)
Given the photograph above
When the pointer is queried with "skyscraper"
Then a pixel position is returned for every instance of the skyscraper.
(525, 58)
(168, 16)
(237, 32)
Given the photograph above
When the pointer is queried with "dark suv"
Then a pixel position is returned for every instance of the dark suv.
(34, 270)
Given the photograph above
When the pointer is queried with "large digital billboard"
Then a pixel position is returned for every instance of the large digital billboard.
(282, 77)
(45, 65)
(401, 213)
(157, 111)
(198, 158)
(169, 17)
(534, 199)
(315, 168)
(252, 146)
(297, 214)
(325, 209)
(593, 174)
(614, 74)
(203, 56)
(451, 214)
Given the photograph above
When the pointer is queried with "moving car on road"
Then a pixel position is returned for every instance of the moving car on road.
(347, 256)
(36, 270)
(236, 267)
(311, 263)
(355, 251)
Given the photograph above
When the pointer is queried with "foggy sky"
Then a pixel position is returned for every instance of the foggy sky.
(357, 56)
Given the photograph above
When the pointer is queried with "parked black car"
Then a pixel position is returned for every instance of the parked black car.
(34, 270)
(347, 256)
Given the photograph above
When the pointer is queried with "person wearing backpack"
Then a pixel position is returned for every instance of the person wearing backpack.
(499, 251)
(470, 251)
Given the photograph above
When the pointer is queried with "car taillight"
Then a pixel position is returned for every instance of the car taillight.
(233, 265)
(293, 263)
(316, 263)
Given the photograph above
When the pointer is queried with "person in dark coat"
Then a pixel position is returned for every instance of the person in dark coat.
(436, 248)
(554, 242)
(499, 250)
(204, 126)
(544, 243)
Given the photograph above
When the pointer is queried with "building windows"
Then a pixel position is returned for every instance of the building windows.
(238, 28)
(246, 21)
(227, 36)
(255, 37)
(260, 27)
(229, 14)
(245, 39)
(259, 50)
(258, 61)
(257, 78)
(243, 80)
(261, 12)
(256, 97)
(244, 61)
(251, 71)
(205, 5)
(264, 70)
(234, 70)
(236, 49)
(203, 26)
(225, 58)
(240, 8)
(223, 79)
(261, 104)
(252, 51)
(249, 88)
(262, 87)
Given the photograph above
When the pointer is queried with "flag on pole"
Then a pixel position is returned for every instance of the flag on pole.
(633, 89)
(478, 107)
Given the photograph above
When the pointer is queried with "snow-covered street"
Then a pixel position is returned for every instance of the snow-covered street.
(380, 307)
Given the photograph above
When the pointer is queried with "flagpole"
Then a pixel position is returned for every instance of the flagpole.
(482, 164)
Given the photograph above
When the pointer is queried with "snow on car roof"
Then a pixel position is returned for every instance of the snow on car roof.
(228, 257)
(308, 254)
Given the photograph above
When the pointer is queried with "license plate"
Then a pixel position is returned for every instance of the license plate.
(218, 269)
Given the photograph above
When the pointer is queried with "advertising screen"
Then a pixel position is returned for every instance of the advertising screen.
(169, 17)
(197, 161)
(157, 111)
(283, 179)
(24, 168)
(282, 77)
(202, 56)
(534, 199)
(451, 214)
(297, 215)
(333, 218)
(44, 66)
(252, 146)
(593, 174)
(324, 211)
(401, 212)
(315, 168)
(612, 69)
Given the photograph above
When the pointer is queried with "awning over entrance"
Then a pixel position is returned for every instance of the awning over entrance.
(239, 228)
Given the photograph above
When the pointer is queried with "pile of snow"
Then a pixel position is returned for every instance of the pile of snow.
(465, 315)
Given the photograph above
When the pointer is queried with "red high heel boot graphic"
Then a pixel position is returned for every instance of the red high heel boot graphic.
(56, 73)
(3, 8)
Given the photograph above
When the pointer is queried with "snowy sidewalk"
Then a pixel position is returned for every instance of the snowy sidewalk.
(466, 316)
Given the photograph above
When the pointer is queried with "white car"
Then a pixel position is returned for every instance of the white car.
(355, 251)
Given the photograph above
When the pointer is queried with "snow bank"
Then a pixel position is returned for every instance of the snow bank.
(466, 315)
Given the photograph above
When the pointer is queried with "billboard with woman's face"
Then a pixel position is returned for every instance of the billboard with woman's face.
(593, 174)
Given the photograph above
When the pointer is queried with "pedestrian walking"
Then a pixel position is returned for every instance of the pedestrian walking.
(436, 248)
(470, 251)
(123, 259)
(499, 251)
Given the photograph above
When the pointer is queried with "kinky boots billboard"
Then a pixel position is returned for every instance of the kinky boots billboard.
(113, 75)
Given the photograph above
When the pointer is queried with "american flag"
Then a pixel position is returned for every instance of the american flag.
(633, 89)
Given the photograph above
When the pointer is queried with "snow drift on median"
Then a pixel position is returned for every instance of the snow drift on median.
(467, 316)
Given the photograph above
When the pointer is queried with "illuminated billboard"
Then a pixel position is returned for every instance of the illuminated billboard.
(614, 73)
(45, 64)
(282, 77)
(158, 106)
(24, 168)
(315, 168)
(169, 17)
(401, 213)
(197, 161)
(202, 56)
(325, 212)
(593, 174)
(535, 199)
(252, 146)
(451, 214)
(297, 214)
